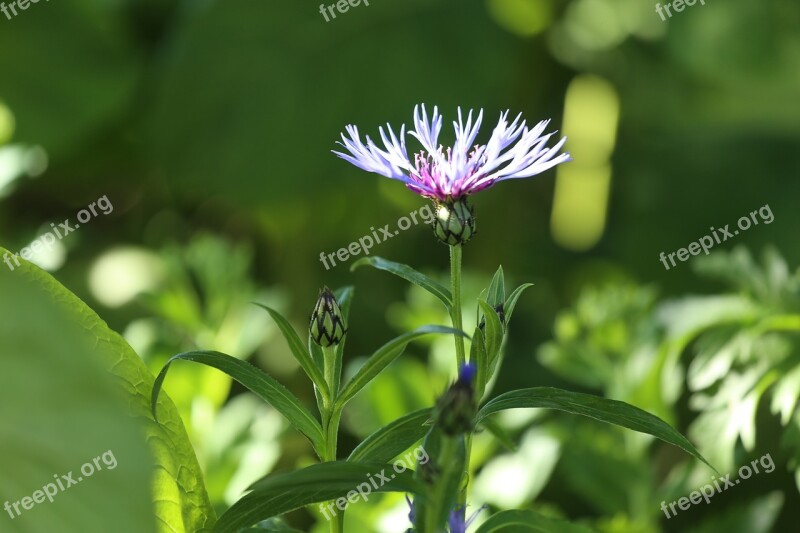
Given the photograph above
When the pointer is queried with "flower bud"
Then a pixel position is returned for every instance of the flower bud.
(455, 410)
(455, 221)
(327, 325)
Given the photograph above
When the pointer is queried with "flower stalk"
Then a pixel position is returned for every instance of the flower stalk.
(328, 328)
(455, 285)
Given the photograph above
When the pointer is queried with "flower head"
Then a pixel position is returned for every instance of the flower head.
(455, 410)
(513, 151)
(327, 325)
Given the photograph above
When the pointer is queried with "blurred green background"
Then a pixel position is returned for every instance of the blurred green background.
(209, 125)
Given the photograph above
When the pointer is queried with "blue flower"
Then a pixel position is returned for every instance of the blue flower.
(513, 151)
(457, 521)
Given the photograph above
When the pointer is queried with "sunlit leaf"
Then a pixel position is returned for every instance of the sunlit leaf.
(179, 499)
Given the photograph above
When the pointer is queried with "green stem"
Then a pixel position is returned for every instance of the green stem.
(455, 282)
(331, 436)
(331, 416)
(461, 358)
(438, 496)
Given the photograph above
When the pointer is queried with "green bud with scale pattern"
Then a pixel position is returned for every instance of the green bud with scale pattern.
(455, 221)
(327, 325)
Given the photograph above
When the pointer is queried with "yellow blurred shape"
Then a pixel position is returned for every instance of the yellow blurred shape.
(6, 123)
(120, 274)
(522, 17)
(595, 24)
(591, 113)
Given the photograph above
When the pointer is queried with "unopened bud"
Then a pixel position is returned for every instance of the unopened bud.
(455, 221)
(327, 325)
(455, 410)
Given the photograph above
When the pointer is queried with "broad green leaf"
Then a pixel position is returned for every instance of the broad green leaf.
(280, 493)
(263, 385)
(524, 521)
(511, 302)
(54, 373)
(409, 274)
(300, 353)
(602, 409)
(496, 294)
(392, 440)
(384, 356)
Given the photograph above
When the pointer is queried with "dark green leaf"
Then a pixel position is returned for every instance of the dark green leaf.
(603, 409)
(392, 440)
(384, 356)
(525, 521)
(409, 274)
(281, 493)
(259, 383)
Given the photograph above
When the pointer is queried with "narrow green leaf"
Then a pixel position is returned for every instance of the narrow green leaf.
(602, 409)
(280, 493)
(300, 353)
(264, 386)
(526, 521)
(493, 334)
(496, 294)
(511, 302)
(477, 356)
(409, 274)
(392, 440)
(384, 356)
